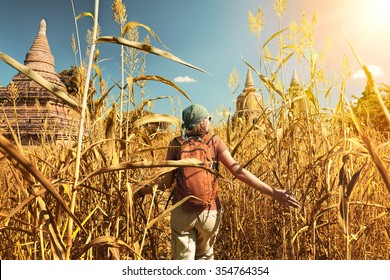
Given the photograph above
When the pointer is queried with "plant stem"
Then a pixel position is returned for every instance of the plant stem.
(77, 34)
(81, 130)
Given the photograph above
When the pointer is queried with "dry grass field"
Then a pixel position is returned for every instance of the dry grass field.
(73, 199)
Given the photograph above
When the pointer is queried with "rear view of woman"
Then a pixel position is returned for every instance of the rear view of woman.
(195, 224)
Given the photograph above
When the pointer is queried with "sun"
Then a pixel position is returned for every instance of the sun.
(377, 10)
(369, 17)
(382, 4)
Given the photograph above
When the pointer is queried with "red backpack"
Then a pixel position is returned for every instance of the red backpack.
(196, 181)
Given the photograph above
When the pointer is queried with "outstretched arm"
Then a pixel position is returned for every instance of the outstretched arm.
(248, 178)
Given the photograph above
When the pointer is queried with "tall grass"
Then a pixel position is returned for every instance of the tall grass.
(336, 167)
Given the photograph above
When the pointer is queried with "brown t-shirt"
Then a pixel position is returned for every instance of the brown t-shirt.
(217, 148)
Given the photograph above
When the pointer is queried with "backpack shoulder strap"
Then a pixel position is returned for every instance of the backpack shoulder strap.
(211, 138)
(207, 138)
(179, 140)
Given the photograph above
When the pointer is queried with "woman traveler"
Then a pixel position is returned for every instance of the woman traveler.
(195, 224)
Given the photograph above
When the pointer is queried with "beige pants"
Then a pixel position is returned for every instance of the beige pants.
(193, 235)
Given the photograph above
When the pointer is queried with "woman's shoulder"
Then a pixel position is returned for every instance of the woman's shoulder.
(218, 143)
(214, 137)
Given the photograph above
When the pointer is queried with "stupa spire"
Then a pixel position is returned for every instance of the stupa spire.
(40, 59)
(294, 79)
(249, 84)
(42, 28)
(249, 102)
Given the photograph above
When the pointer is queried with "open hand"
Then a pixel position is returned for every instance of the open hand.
(287, 198)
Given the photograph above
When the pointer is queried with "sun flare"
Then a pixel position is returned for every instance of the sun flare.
(376, 10)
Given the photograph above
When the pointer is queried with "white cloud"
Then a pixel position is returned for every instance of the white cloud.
(374, 69)
(184, 79)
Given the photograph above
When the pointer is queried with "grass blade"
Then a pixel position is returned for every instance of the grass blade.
(378, 162)
(170, 209)
(370, 82)
(22, 163)
(352, 183)
(149, 164)
(133, 24)
(40, 80)
(146, 48)
(103, 241)
(24, 203)
(163, 80)
(85, 14)
(266, 81)
(273, 36)
(152, 118)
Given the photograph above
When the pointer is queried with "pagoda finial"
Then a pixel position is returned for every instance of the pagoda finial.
(249, 84)
(294, 79)
(42, 27)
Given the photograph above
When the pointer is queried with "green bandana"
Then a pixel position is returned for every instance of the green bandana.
(193, 114)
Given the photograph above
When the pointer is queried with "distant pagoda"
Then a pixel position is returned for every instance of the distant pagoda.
(249, 103)
(29, 109)
(296, 97)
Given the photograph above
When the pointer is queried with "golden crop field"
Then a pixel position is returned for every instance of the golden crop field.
(74, 199)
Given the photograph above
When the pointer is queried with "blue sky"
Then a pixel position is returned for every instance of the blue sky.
(211, 34)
